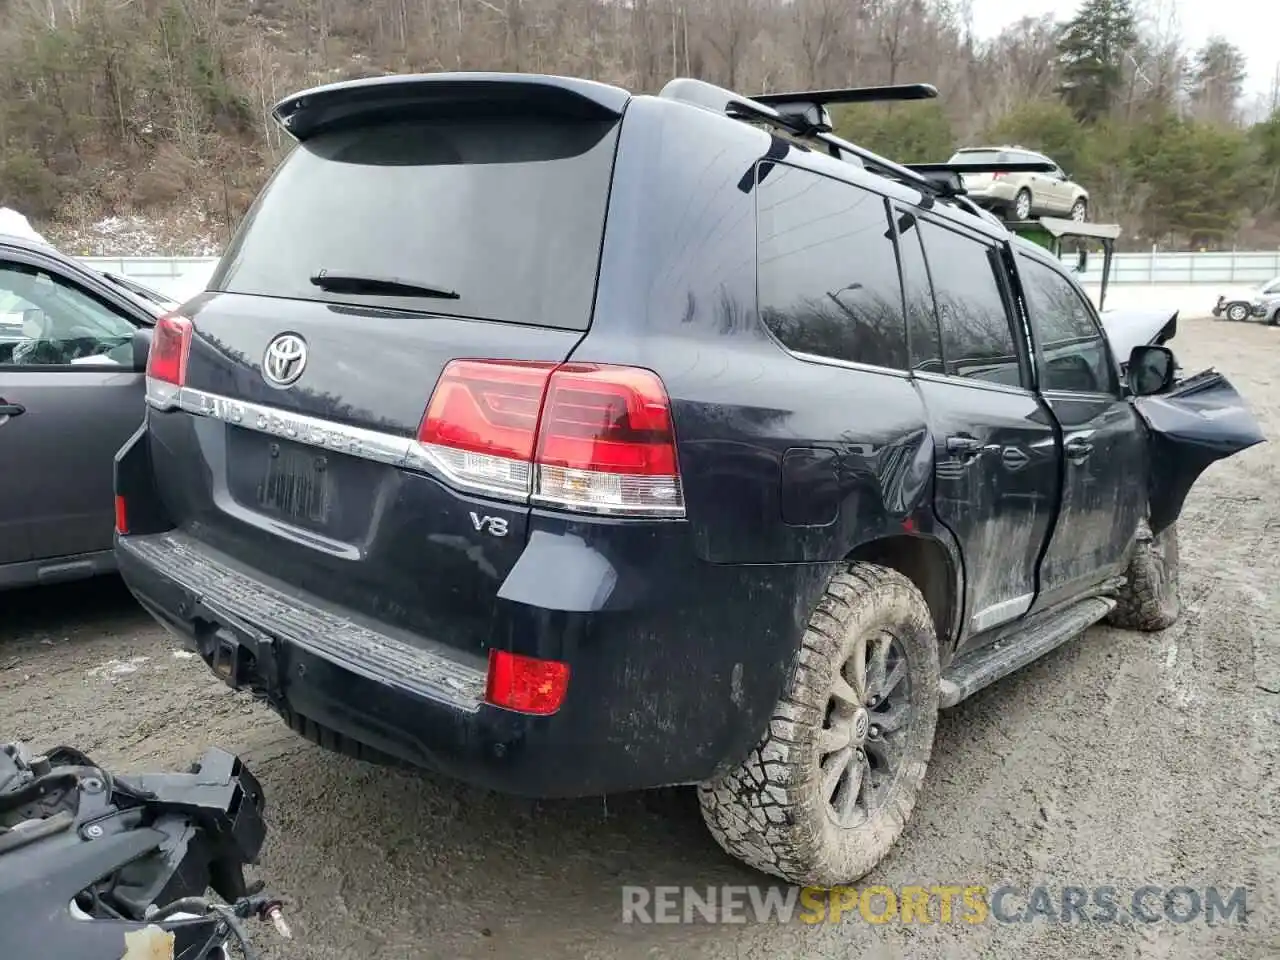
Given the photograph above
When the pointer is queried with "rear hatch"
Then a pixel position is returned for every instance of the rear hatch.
(415, 223)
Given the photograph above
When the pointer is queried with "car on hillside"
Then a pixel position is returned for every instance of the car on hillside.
(571, 441)
(73, 348)
(1022, 195)
(1260, 302)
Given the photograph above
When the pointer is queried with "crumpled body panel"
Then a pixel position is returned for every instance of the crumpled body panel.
(1200, 421)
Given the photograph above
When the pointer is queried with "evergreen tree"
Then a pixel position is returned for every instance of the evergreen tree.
(1217, 81)
(1091, 52)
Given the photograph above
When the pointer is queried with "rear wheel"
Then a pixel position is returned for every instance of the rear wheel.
(1149, 599)
(1022, 205)
(828, 790)
(1238, 312)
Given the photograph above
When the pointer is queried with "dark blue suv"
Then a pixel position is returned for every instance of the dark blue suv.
(568, 441)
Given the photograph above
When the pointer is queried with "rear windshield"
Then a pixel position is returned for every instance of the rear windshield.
(506, 214)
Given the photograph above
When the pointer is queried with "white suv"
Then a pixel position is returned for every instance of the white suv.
(1020, 196)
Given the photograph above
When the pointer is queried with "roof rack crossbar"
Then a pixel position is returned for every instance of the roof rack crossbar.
(847, 95)
(1019, 167)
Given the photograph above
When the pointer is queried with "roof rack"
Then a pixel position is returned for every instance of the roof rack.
(803, 114)
(949, 176)
(811, 104)
(798, 123)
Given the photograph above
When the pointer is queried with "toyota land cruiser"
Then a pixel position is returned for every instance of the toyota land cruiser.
(569, 441)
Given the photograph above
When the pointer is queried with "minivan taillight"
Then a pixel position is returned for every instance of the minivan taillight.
(167, 360)
(578, 436)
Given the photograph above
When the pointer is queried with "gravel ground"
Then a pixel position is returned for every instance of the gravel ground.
(1122, 759)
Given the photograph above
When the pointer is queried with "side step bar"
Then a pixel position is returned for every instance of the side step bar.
(1028, 641)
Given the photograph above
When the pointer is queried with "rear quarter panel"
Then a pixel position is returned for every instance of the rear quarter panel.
(686, 308)
(677, 295)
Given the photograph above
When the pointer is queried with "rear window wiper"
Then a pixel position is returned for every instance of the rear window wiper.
(338, 282)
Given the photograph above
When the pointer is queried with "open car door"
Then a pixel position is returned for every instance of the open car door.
(1192, 423)
(1199, 421)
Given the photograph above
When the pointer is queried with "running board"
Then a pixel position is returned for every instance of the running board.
(1022, 644)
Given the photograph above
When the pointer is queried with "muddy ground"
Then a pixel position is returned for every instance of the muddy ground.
(1122, 759)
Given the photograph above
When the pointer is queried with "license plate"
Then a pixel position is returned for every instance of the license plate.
(298, 484)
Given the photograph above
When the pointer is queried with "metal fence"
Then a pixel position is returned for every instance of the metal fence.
(181, 277)
(1240, 267)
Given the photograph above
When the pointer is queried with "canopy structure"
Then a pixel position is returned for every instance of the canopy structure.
(1049, 232)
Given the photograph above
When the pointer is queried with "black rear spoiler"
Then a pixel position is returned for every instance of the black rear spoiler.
(309, 112)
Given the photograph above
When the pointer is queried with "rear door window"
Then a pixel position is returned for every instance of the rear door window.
(827, 270)
(503, 217)
(977, 335)
(922, 318)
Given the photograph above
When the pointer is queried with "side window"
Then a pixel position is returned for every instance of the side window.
(828, 276)
(1073, 353)
(977, 337)
(46, 321)
(922, 319)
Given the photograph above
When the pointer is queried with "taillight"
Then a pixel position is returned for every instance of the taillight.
(526, 684)
(170, 344)
(122, 515)
(167, 360)
(578, 436)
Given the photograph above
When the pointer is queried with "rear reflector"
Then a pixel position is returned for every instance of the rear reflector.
(122, 516)
(526, 684)
(573, 435)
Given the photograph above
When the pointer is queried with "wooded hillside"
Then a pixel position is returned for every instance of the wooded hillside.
(159, 107)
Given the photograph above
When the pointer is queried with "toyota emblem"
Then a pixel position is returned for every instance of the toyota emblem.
(285, 359)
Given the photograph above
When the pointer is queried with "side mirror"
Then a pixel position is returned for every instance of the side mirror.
(1082, 260)
(1151, 370)
(141, 348)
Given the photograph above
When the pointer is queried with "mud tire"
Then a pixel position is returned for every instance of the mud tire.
(1149, 600)
(769, 811)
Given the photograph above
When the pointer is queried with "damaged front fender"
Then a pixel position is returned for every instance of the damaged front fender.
(1198, 422)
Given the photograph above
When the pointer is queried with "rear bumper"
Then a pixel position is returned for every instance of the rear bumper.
(636, 716)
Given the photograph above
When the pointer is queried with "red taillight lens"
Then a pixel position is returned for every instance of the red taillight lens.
(122, 516)
(526, 684)
(613, 420)
(581, 436)
(170, 345)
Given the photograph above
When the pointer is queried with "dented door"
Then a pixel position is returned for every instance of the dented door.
(1200, 421)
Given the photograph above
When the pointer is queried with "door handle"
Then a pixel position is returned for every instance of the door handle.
(966, 448)
(1078, 448)
(8, 409)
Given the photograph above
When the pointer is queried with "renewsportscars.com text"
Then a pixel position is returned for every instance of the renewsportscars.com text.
(937, 903)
